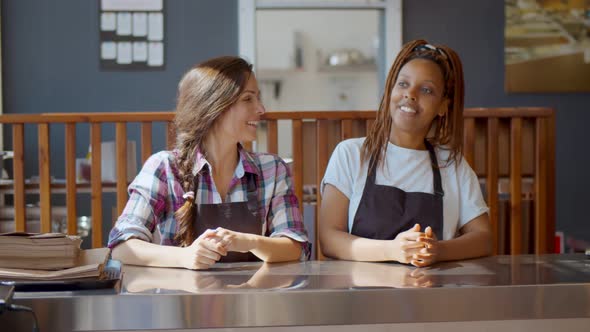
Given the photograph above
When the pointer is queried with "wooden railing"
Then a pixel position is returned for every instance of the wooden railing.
(484, 150)
(70, 120)
(504, 131)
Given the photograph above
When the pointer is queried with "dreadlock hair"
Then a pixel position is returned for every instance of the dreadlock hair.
(204, 93)
(448, 132)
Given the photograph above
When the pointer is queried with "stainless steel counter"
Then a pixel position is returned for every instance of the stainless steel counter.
(325, 293)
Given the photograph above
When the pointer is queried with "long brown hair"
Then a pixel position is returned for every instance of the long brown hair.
(448, 132)
(204, 93)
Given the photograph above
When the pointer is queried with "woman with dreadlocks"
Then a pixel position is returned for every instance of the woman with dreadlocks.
(404, 193)
(209, 199)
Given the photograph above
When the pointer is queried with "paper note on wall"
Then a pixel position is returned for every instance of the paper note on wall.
(155, 54)
(139, 51)
(123, 24)
(131, 5)
(123, 52)
(155, 26)
(139, 24)
(108, 50)
(108, 22)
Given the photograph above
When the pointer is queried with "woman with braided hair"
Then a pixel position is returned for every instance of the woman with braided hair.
(209, 199)
(404, 193)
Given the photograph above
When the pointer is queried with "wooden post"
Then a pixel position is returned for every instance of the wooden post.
(44, 178)
(70, 161)
(345, 129)
(515, 186)
(540, 186)
(469, 141)
(272, 137)
(18, 164)
(492, 178)
(298, 161)
(146, 141)
(322, 163)
(121, 141)
(96, 185)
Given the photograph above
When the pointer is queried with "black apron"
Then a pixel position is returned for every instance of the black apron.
(386, 211)
(239, 217)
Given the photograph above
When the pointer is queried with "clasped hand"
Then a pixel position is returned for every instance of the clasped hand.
(415, 247)
(210, 246)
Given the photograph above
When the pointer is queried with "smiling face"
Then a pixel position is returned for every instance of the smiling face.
(417, 98)
(239, 122)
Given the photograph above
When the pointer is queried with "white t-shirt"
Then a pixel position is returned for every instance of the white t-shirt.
(410, 171)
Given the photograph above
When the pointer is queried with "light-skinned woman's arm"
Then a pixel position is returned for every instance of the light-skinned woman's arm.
(203, 253)
(283, 220)
(268, 249)
(336, 242)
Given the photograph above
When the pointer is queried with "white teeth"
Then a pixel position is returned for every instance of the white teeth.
(407, 109)
(253, 123)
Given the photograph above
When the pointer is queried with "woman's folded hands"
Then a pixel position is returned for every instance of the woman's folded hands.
(415, 247)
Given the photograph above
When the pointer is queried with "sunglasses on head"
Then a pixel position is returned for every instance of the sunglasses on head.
(428, 47)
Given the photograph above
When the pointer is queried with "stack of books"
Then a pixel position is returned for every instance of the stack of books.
(48, 256)
(48, 251)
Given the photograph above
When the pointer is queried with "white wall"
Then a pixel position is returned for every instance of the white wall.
(322, 31)
(310, 87)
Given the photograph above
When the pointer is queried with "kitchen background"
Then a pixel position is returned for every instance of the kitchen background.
(50, 63)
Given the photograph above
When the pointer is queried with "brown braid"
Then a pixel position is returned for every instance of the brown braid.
(204, 93)
(449, 127)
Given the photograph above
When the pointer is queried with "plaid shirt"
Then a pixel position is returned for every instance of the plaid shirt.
(156, 193)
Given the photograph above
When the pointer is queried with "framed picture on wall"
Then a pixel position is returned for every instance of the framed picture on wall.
(131, 34)
(547, 46)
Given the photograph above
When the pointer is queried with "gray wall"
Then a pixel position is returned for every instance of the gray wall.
(50, 54)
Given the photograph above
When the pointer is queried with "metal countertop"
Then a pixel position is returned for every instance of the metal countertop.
(326, 293)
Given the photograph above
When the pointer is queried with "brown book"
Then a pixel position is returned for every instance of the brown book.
(48, 251)
(36, 263)
(90, 263)
(39, 239)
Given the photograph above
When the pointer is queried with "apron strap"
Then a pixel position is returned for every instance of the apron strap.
(438, 191)
(252, 193)
(371, 176)
(437, 182)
